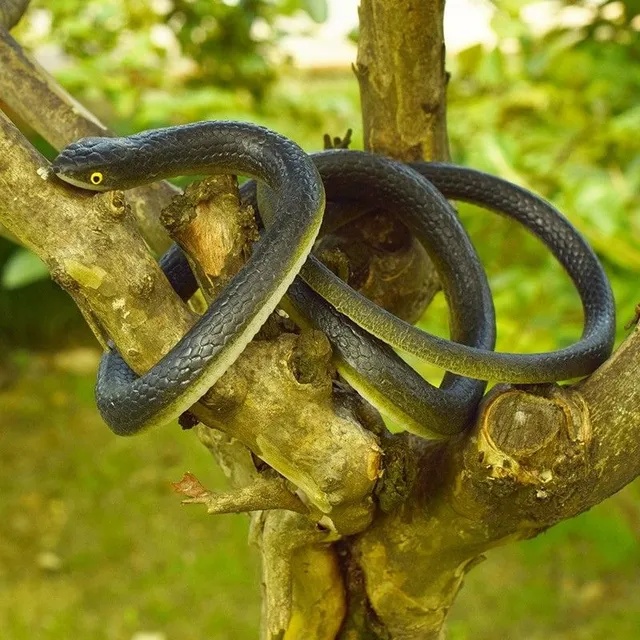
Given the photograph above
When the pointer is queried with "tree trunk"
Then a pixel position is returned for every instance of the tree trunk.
(496, 483)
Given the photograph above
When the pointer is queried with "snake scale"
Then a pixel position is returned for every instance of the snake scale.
(289, 194)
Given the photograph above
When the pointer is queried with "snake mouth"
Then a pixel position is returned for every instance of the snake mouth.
(75, 181)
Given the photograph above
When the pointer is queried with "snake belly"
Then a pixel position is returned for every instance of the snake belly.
(294, 196)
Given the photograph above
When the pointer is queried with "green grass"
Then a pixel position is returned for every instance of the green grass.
(578, 581)
(133, 559)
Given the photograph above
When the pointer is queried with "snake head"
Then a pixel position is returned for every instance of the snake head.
(99, 164)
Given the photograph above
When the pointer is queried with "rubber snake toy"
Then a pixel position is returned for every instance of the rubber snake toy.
(289, 195)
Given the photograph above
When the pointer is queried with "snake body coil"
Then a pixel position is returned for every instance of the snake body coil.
(565, 242)
(362, 334)
(295, 200)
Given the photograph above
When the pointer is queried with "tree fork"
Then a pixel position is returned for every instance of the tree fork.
(535, 456)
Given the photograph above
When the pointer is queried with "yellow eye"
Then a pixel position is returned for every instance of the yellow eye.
(96, 177)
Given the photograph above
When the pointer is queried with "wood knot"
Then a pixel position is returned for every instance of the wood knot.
(521, 425)
(143, 287)
(530, 431)
(118, 206)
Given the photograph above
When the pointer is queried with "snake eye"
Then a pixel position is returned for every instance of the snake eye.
(96, 177)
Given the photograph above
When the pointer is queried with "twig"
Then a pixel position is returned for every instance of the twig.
(44, 105)
(264, 494)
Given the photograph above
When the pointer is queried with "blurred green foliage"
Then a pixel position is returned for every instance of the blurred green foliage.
(122, 49)
(22, 268)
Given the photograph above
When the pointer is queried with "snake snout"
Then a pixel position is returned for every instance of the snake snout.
(112, 159)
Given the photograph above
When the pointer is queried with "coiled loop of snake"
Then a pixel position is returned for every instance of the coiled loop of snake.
(289, 188)
(564, 241)
(351, 179)
(360, 331)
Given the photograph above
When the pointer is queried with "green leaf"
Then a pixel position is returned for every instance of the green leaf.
(317, 9)
(23, 268)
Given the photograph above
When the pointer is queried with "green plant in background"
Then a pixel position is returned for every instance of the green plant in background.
(121, 49)
(556, 111)
(23, 268)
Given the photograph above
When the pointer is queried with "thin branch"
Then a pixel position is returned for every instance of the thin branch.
(94, 251)
(264, 494)
(11, 11)
(42, 103)
(28, 90)
(402, 78)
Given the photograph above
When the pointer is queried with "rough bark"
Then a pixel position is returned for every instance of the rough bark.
(94, 251)
(401, 71)
(281, 379)
(536, 456)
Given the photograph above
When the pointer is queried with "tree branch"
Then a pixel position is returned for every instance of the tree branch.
(303, 593)
(28, 90)
(288, 373)
(93, 250)
(401, 71)
(263, 494)
(11, 11)
(376, 255)
(279, 400)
